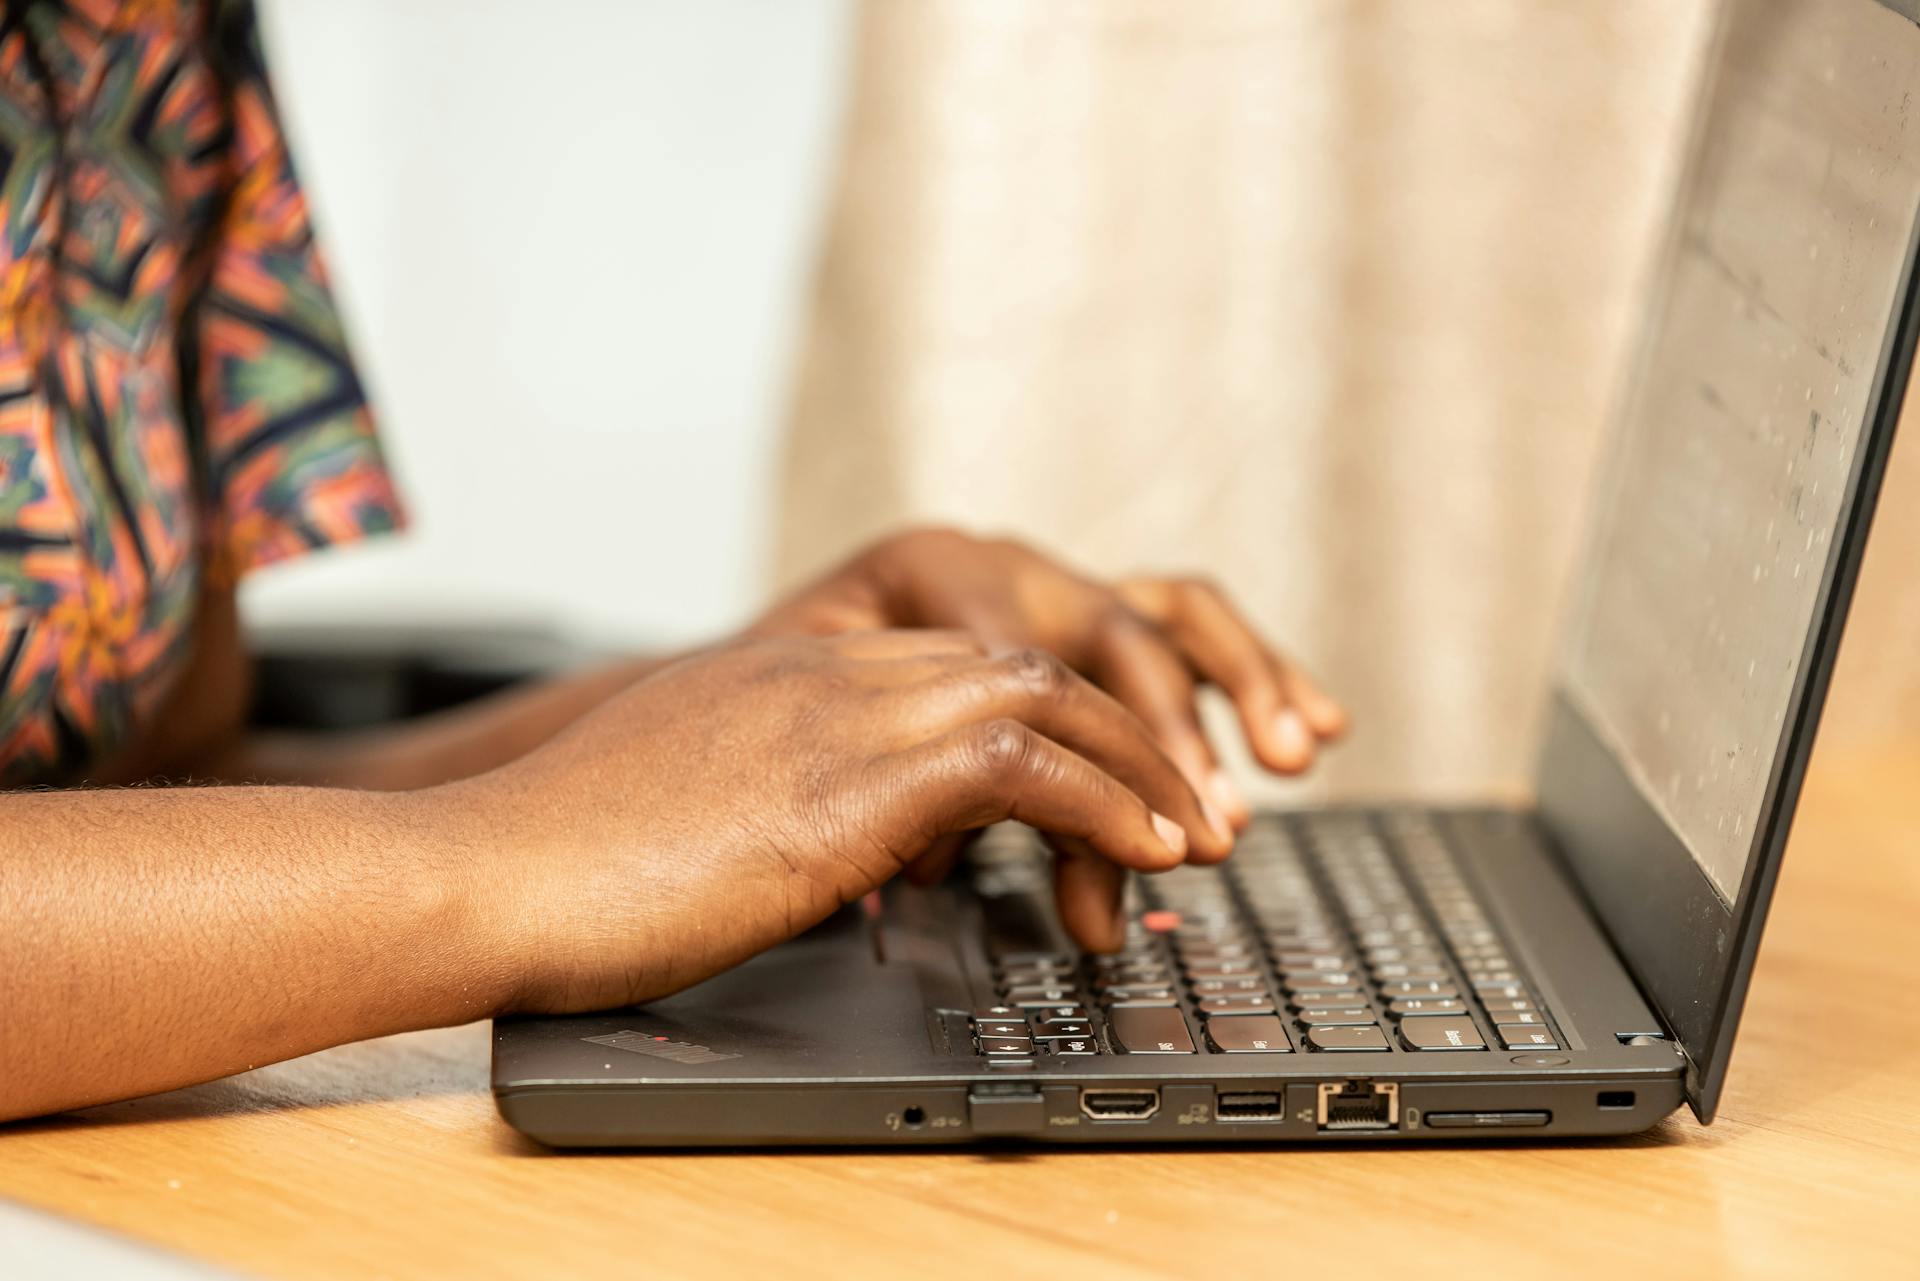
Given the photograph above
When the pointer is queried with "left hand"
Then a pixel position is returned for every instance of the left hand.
(1147, 641)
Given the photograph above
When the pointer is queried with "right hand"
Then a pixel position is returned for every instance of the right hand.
(736, 798)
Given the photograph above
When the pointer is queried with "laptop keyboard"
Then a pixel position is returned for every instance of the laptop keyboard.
(1331, 933)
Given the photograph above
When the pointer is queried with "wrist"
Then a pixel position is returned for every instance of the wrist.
(467, 932)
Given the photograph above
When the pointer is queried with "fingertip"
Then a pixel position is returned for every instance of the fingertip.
(1091, 897)
(1214, 843)
(1116, 937)
(1207, 857)
(1228, 797)
(1327, 719)
(1293, 742)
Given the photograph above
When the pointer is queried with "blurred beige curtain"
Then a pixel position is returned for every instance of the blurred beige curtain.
(1323, 297)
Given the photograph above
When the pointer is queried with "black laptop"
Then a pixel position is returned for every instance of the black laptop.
(1404, 972)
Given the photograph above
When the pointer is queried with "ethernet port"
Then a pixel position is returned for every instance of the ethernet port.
(1359, 1105)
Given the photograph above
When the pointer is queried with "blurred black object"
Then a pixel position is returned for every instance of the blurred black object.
(339, 678)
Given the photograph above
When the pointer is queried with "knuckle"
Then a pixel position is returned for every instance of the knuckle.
(1005, 747)
(1039, 671)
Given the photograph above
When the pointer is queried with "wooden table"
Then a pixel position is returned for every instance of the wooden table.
(386, 1159)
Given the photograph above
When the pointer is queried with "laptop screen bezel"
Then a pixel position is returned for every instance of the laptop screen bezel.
(1691, 952)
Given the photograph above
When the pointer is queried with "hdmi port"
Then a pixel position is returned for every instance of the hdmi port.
(1255, 1106)
(1119, 1105)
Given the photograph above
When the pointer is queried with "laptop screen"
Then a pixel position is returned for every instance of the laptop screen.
(1730, 469)
(1763, 370)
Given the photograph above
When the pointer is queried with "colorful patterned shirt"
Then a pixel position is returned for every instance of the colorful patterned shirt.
(177, 405)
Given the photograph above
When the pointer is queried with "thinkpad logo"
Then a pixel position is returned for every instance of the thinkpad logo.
(659, 1047)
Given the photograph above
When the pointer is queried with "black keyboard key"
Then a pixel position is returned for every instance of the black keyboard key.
(1302, 979)
(1248, 1034)
(1498, 1006)
(1000, 1029)
(1403, 955)
(1396, 972)
(1072, 1046)
(1209, 932)
(1518, 1036)
(1482, 978)
(1348, 1014)
(1046, 1028)
(1052, 965)
(1502, 992)
(1242, 986)
(1321, 999)
(1214, 951)
(1040, 994)
(1158, 974)
(1391, 938)
(1005, 1045)
(1441, 1034)
(1044, 1013)
(1533, 1017)
(1427, 987)
(1026, 977)
(1149, 1031)
(1211, 1005)
(1340, 1038)
(1409, 1006)
(994, 1013)
(1014, 959)
(1328, 959)
(1221, 969)
(1313, 944)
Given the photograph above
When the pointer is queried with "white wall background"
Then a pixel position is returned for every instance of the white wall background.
(573, 241)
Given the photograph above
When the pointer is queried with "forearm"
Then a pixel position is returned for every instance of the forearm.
(458, 743)
(152, 938)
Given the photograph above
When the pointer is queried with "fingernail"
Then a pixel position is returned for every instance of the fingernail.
(1172, 834)
(1225, 794)
(1296, 740)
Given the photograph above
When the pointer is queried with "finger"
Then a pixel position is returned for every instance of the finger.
(1325, 714)
(906, 644)
(1224, 650)
(1090, 894)
(1283, 713)
(1003, 769)
(1134, 664)
(1036, 688)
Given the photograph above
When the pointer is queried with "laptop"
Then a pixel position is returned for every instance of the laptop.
(1407, 972)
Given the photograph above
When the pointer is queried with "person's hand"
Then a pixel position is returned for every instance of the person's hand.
(740, 796)
(1147, 641)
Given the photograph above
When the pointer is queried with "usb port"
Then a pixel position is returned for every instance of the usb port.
(1248, 1105)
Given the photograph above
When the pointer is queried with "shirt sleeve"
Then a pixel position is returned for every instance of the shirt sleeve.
(290, 456)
